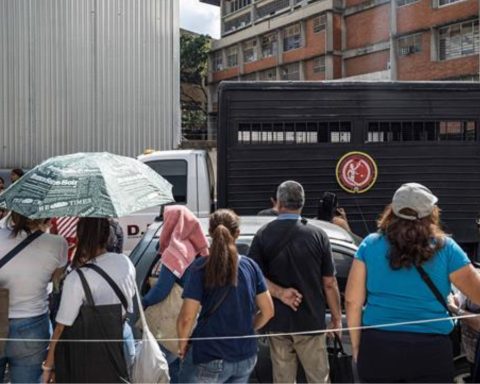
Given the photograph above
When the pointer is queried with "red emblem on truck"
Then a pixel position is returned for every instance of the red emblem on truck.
(356, 172)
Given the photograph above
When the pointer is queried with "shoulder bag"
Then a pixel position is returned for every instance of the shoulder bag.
(4, 292)
(73, 358)
(340, 362)
(455, 335)
(288, 236)
(150, 364)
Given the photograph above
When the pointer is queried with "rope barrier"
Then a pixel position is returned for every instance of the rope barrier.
(258, 336)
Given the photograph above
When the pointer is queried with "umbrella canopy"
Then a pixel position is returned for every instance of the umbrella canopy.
(87, 185)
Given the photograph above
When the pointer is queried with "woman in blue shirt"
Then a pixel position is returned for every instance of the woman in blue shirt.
(234, 300)
(385, 287)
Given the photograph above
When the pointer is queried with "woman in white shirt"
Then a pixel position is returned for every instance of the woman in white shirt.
(26, 276)
(93, 235)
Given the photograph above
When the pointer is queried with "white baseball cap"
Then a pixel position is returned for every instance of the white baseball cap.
(416, 197)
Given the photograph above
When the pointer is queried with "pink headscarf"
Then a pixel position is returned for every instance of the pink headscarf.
(181, 240)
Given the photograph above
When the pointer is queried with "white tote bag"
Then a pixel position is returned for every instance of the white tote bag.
(150, 364)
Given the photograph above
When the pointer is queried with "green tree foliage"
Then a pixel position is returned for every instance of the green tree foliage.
(193, 58)
(194, 51)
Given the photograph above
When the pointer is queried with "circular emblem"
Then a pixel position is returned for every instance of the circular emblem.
(356, 172)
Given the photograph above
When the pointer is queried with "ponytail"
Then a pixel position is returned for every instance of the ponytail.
(221, 268)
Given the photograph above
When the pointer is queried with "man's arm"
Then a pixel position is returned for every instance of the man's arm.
(332, 295)
(288, 296)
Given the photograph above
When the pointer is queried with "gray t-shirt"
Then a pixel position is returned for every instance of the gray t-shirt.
(27, 275)
(117, 266)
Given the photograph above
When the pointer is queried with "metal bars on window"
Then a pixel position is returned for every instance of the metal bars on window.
(440, 130)
(237, 23)
(269, 45)
(401, 3)
(408, 45)
(311, 132)
(319, 23)
(319, 64)
(458, 40)
(292, 37)
(231, 6)
(272, 8)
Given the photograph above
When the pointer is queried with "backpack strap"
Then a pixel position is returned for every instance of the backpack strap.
(110, 282)
(20, 247)
(86, 288)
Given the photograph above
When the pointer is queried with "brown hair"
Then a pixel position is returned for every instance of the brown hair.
(222, 262)
(92, 235)
(412, 242)
(23, 223)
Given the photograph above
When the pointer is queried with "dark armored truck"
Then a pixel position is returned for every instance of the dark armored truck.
(358, 140)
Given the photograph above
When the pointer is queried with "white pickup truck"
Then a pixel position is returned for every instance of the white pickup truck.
(192, 175)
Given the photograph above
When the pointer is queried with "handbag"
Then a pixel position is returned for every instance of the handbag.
(341, 370)
(92, 362)
(150, 364)
(4, 292)
(162, 319)
(456, 334)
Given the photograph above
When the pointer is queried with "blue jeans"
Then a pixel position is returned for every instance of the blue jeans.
(24, 358)
(216, 371)
(173, 364)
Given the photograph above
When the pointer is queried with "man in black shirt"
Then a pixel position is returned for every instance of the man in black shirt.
(297, 261)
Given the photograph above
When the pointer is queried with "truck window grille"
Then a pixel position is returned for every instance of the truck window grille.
(438, 130)
(308, 132)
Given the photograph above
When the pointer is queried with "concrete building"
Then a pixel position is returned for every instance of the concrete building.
(354, 39)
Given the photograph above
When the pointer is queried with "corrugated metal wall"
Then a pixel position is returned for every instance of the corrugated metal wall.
(87, 75)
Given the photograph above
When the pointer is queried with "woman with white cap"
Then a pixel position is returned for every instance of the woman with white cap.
(399, 281)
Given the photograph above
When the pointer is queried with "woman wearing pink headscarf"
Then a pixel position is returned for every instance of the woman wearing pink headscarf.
(181, 242)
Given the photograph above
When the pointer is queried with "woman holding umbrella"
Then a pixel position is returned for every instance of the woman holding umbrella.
(33, 258)
(107, 281)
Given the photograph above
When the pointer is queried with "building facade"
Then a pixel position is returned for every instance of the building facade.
(351, 39)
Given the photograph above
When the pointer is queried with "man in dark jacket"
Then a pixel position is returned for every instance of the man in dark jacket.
(297, 261)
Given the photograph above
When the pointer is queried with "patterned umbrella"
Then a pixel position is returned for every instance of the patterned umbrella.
(87, 185)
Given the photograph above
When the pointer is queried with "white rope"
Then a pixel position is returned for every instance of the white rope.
(257, 336)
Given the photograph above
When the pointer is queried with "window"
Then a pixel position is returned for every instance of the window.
(394, 131)
(272, 7)
(236, 23)
(319, 23)
(268, 75)
(401, 3)
(291, 72)
(319, 64)
(250, 51)
(217, 61)
(312, 132)
(475, 77)
(175, 171)
(269, 45)
(231, 6)
(292, 37)
(458, 40)
(446, 2)
(249, 77)
(408, 45)
(232, 57)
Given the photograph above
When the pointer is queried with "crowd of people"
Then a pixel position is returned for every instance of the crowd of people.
(400, 280)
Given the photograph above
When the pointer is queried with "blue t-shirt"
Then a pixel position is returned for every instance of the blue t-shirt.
(395, 296)
(234, 317)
